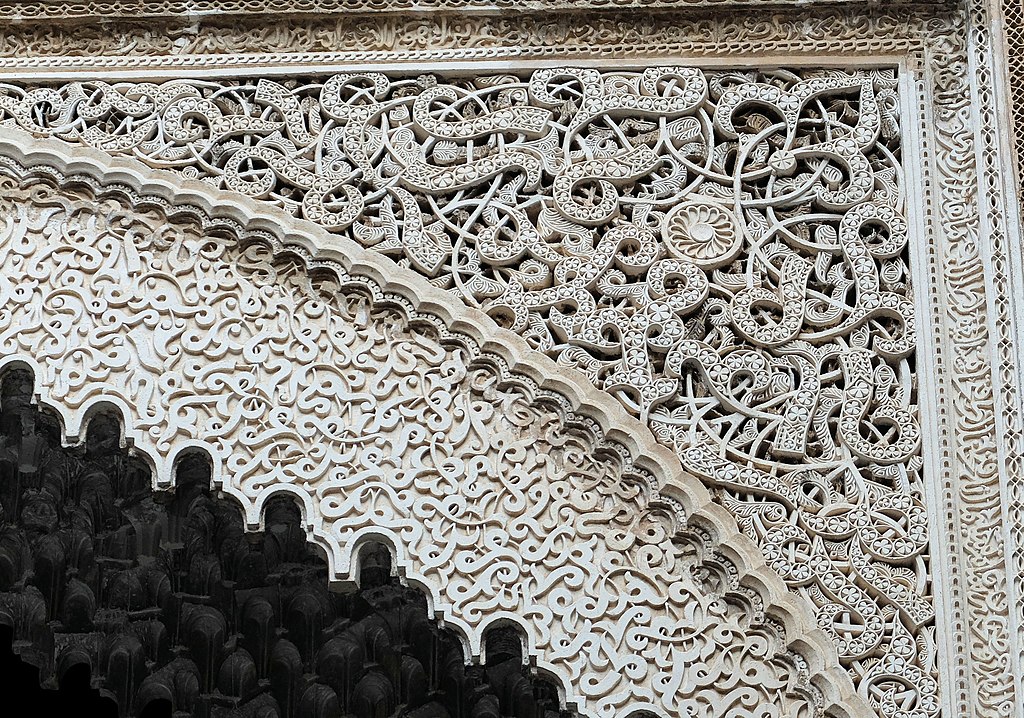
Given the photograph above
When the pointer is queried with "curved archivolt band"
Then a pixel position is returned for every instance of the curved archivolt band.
(509, 489)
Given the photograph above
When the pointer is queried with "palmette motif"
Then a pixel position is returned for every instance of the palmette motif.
(303, 385)
(724, 252)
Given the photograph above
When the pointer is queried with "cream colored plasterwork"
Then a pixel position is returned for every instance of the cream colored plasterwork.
(63, 9)
(969, 398)
(304, 376)
(725, 253)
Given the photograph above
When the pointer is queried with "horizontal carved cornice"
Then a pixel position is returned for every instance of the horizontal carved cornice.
(56, 10)
(839, 36)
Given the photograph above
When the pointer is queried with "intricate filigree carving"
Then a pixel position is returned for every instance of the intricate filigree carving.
(965, 271)
(347, 39)
(297, 382)
(723, 252)
(977, 257)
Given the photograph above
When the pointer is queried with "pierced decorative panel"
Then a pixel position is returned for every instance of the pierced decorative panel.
(1013, 27)
(726, 252)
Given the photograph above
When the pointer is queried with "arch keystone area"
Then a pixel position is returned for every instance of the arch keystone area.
(508, 487)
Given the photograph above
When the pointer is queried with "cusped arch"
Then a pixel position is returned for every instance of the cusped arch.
(95, 569)
(508, 487)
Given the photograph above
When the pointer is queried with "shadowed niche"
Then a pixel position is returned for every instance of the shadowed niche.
(171, 608)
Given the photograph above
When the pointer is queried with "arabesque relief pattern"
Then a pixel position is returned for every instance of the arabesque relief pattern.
(724, 252)
(63, 9)
(409, 37)
(163, 597)
(297, 382)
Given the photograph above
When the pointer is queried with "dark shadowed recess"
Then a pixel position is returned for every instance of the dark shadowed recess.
(142, 604)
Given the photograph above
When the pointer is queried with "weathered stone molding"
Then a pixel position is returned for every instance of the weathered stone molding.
(173, 49)
(58, 10)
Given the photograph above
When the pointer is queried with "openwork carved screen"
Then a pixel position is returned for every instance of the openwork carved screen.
(725, 252)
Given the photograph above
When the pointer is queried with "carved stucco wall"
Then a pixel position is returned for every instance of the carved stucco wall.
(725, 253)
(500, 502)
(50, 9)
(942, 245)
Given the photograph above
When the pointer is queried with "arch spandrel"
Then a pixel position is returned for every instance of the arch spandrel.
(509, 489)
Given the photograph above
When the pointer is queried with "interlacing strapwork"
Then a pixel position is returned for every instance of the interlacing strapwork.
(725, 252)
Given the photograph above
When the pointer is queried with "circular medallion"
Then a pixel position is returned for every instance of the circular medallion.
(703, 232)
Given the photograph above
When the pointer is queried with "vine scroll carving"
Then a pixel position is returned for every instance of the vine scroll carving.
(723, 252)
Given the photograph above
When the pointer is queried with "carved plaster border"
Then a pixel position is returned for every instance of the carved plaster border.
(62, 10)
(966, 267)
(483, 341)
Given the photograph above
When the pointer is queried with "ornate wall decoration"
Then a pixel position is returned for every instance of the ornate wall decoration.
(965, 274)
(726, 253)
(502, 507)
(1012, 12)
(62, 10)
(308, 43)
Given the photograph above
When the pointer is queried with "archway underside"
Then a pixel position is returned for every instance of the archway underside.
(501, 504)
(162, 598)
